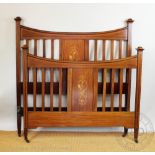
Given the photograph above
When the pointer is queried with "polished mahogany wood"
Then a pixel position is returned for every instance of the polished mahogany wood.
(77, 79)
(39, 62)
(84, 119)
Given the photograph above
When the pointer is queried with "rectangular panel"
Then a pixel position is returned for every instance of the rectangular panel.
(82, 89)
(72, 49)
(74, 119)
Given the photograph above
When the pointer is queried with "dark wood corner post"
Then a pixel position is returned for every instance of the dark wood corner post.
(18, 76)
(25, 85)
(138, 92)
(128, 71)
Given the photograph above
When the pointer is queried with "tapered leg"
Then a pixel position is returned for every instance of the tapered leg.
(136, 134)
(19, 122)
(125, 132)
(25, 135)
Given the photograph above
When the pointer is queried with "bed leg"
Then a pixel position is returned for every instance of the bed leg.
(25, 135)
(136, 134)
(19, 125)
(19, 121)
(125, 132)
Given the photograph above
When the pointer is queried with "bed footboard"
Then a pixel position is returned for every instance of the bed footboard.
(82, 93)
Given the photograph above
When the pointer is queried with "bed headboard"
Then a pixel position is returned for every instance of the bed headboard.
(75, 46)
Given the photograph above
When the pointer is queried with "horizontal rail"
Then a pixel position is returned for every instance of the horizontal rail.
(61, 119)
(64, 88)
(31, 33)
(56, 109)
(39, 62)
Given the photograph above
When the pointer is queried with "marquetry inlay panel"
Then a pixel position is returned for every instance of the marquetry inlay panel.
(72, 50)
(82, 89)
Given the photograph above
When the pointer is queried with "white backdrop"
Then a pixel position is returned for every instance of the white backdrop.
(74, 17)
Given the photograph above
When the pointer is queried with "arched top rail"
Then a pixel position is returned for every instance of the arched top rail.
(39, 62)
(31, 33)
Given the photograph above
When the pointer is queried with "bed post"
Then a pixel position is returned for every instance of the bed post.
(18, 76)
(138, 92)
(128, 71)
(25, 82)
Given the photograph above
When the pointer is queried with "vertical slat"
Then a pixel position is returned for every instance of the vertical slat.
(60, 75)
(51, 89)
(112, 89)
(69, 90)
(104, 89)
(52, 49)
(34, 88)
(43, 80)
(103, 50)
(120, 49)
(44, 52)
(34, 77)
(95, 51)
(60, 88)
(87, 50)
(104, 75)
(95, 79)
(120, 77)
(35, 47)
(27, 44)
(51, 77)
(120, 88)
(43, 89)
(112, 76)
(60, 50)
(112, 50)
(95, 89)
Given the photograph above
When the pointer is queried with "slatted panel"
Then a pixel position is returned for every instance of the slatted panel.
(112, 76)
(86, 57)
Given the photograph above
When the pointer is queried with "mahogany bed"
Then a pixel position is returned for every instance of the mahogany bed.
(77, 79)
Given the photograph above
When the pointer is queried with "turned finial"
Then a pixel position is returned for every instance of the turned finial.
(130, 20)
(18, 19)
(140, 49)
(25, 47)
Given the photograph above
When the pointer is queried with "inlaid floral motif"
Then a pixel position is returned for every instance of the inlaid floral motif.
(82, 89)
(73, 54)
